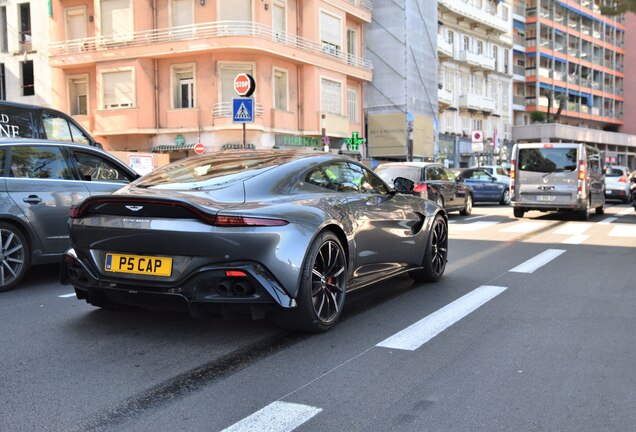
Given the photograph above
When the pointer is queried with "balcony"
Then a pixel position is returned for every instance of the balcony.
(444, 48)
(224, 109)
(475, 102)
(479, 16)
(361, 9)
(89, 50)
(444, 98)
(477, 60)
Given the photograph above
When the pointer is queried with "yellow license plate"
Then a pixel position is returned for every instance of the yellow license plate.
(138, 264)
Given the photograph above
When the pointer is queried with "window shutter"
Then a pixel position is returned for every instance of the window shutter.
(228, 73)
(331, 96)
(118, 89)
(330, 29)
(235, 10)
(75, 24)
(116, 18)
(182, 13)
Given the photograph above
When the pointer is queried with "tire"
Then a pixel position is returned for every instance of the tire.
(600, 210)
(15, 256)
(585, 213)
(468, 206)
(505, 197)
(518, 212)
(436, 255)
(322, 290)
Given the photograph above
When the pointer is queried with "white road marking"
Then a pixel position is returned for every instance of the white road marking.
(607, 221)
(573, 228)
(416, 335)
(576, 239)
(477, 217)
(540, 260)
(473, 226)
(623, 231)
(524, 227)
(67, 295)
(275, 417)
(628, 210)
(451, 221)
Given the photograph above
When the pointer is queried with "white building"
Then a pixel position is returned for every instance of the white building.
(24, 64)
(475, 78)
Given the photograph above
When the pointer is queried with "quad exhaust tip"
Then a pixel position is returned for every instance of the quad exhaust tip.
(228, 288)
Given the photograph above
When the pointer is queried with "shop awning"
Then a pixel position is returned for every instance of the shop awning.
(519, 25)
(172, 147)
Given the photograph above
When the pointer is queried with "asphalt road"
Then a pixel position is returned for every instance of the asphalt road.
(531, 329)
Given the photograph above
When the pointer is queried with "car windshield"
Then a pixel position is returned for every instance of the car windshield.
(389, 173)
(547, 160)
(214, 170)
(614, 172)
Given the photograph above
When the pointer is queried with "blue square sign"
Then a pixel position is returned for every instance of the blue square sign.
(242, 110)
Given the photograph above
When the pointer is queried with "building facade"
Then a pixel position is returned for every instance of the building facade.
(475, 80)
(24, 64)
(159, 75)
(630, 71)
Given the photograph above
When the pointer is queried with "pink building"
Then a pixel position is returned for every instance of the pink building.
(144, 75)
(630, 72)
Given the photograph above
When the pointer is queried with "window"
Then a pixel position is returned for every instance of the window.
(39, 162)
(94, 168)
(228, 72)
(352, 104)
(495, 55)
(78, 95)
(2, 153)
(75, 23)
(4, 45)
(60, 129)
(330, 36)
(480, 47)
(466, 43)
(279, 20)
(235, 10)
(116, 19)
(25, 26)
(3, 83)
(28, 82)
(450, 37)
(183, 86)
(477, 125)
(16, 122)
(280, 89)
(118, 89)
(331, 96)
(506, 55)
(352, 42)
(182, 17)
(345, 177)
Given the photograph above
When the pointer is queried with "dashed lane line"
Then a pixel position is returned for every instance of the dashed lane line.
(538, 261)
(623, 231)
(67, 295)
(416, 335)
(473, 226)
(524, 227)
(607, 221)
(276, 417)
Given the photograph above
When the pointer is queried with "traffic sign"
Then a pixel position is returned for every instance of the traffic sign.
(199, 148)
(244, 85)
(242, 110)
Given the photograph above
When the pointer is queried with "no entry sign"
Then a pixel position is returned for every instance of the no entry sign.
(199, 148)
(244, 85)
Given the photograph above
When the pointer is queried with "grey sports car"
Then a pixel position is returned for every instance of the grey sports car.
(253, 231)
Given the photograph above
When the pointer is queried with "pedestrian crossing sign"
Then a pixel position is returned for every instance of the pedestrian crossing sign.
(243, 110)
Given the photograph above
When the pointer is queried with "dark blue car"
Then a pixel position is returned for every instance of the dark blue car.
(486, 188)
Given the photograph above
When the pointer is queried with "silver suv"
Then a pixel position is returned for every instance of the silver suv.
(39, 182)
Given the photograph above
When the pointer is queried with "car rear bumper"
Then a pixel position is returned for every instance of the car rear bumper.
(249, 286)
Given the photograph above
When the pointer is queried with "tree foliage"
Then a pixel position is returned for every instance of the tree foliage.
(618, 7)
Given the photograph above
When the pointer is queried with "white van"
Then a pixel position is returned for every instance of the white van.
(557, 177)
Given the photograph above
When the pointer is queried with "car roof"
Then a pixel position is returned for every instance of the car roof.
(410, 164)
(44, 142)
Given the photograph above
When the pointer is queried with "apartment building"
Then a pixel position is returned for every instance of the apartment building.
(475, 80)
(24, 64)
(574, 75)
(630, 71)
(159, 75)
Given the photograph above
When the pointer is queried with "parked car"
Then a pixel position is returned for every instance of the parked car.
(38, 122)
(255, 231)
(39, 181)
(501, 173)
(448, 192)
(617, 184)
(485, 187)
(564, 177)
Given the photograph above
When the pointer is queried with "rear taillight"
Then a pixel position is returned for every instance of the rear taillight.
(76, 212)
(240, 221)
(582, 172)
(420, 187)
(622, 179)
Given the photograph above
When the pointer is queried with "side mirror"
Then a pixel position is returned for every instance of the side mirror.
(403, 185)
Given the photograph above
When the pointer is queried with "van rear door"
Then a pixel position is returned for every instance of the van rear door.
(547, 174)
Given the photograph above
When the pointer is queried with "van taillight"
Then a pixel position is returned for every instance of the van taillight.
(513, 169)
(622, 179)
(582, 173)
(420, 187)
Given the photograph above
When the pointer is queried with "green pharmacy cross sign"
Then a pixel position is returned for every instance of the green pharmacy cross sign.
(353, 142)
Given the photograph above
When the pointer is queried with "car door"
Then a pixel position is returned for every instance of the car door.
(99, 173)
(433, 177)
(42, 183)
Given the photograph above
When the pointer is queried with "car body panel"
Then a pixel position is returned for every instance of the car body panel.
(485, 187)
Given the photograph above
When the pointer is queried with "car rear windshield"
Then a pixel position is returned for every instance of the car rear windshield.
(548, 160)
(614, 172)
(212, 171)
(390, 173)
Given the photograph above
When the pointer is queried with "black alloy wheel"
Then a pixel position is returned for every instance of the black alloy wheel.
(436, 255)
(14, 256)
(322, 290)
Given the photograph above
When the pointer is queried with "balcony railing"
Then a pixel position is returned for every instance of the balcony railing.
(444, 97)
(473, 101)
(480, 16)
(224, 109)
(364, 4)
(519, 100)
(443, 46)
(203, 31)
